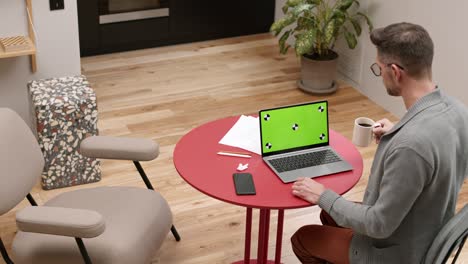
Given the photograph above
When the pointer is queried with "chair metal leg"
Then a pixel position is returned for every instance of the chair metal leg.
(459, 250)
(31, 200)
(150, 186)
(175, 233)
(83, 250)
(143, 175)
(5, 253)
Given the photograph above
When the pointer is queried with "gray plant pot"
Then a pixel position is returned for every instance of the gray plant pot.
(318, 76)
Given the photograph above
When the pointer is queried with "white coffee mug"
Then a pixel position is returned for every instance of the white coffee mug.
(362, 133)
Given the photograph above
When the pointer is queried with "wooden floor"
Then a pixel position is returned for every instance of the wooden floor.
(163, 93)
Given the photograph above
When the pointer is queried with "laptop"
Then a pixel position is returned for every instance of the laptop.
(295, 142)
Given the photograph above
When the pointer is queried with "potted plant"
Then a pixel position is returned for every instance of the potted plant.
(316, 26)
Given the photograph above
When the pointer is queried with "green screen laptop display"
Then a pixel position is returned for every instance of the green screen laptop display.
(294, 127)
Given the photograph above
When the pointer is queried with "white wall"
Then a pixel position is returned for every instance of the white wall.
(58, 51)
(278, 12)
(446, 23)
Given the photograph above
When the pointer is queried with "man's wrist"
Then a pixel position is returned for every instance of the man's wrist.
(321, 191)
(327, 199)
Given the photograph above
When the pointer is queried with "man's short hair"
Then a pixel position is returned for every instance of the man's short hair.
(406, 44)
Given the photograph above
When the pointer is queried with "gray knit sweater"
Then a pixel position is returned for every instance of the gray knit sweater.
(417, 173)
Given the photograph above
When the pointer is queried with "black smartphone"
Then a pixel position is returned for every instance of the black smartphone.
(243, 182)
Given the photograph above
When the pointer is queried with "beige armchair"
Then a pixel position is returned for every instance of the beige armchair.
(96, 225)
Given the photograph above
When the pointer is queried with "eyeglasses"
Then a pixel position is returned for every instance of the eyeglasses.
(377, 71)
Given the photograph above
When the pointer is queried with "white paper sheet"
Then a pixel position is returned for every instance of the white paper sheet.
(245, 134)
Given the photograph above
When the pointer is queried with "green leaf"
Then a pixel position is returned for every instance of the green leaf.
(285, 9)
(340, 18)
(350, 39)
(280, 24)
(329, 33)
(337, 13)
(345, 4)
(305, 41)
(314, 2)
(293, 3)
(356, 26)
(301, 8)
(368, 21)
(304, 23)
(284, 46)
(289, 18)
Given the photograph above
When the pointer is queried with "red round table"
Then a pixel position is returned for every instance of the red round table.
(198, 164)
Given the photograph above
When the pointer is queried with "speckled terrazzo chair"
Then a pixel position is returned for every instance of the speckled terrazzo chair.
(96, 225)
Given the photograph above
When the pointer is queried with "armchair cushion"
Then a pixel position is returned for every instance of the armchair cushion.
(137, 223)
(60, 221)
(120, 148)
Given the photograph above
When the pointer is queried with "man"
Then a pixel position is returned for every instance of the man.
(416, 175)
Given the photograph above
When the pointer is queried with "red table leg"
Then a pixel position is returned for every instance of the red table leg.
(266, 229)
(279, 236)
(248, 235)
(263, 234)
(261, 237)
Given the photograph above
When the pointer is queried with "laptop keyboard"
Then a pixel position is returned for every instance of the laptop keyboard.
(304, 160)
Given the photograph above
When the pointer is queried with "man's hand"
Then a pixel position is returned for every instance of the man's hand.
(379, 131)
(308, 189)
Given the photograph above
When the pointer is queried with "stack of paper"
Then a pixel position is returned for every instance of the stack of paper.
(245, 134)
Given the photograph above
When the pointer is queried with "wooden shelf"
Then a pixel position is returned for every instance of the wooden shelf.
(30, 50)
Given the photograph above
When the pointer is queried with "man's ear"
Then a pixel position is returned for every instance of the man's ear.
(397, 74)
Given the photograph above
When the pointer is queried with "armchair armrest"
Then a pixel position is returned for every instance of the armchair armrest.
(60, 221)
(120, 148)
